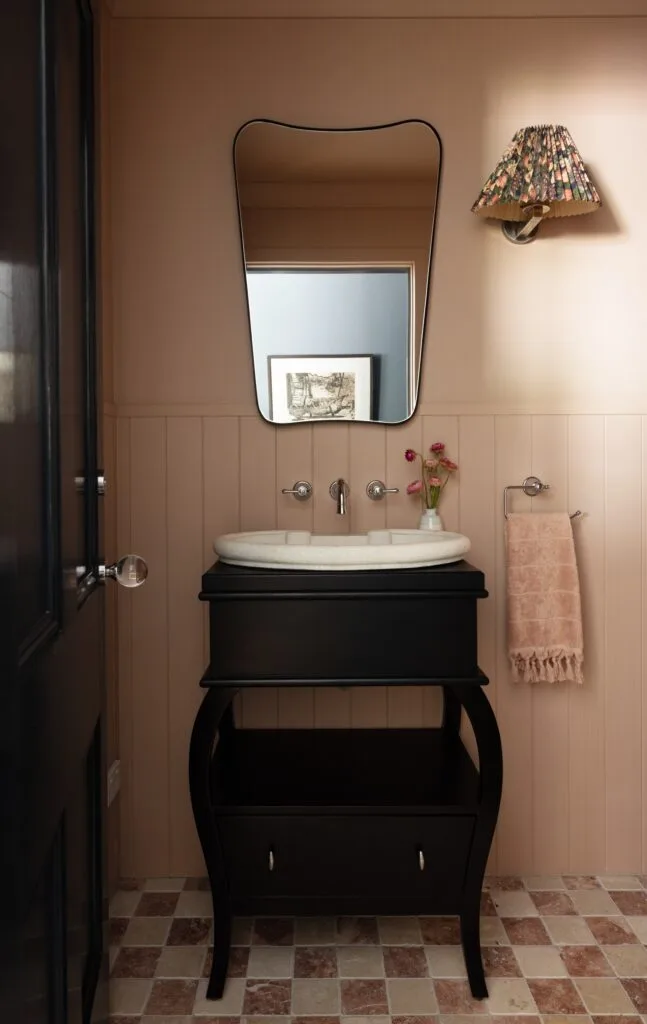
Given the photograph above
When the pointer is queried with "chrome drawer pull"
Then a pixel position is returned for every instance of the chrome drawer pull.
(421, 860)
(271, 860)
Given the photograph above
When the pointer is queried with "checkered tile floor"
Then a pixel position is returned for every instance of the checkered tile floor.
(553, 948)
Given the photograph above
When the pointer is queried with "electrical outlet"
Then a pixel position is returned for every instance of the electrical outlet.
(114, 780)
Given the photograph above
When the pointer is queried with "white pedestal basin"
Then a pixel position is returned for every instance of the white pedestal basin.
(377, 549)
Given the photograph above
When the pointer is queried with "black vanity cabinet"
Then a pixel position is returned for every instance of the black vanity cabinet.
(345, 821)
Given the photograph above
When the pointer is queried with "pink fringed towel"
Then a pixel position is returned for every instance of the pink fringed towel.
(544, 610)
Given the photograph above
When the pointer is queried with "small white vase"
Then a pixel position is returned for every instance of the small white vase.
(430, 520)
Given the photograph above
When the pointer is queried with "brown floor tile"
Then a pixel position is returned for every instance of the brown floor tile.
(197, 884)
(636, 989)
(156, 904)
(206, 969)
(630, 902)
(553, 904)
(117, 929)
(526, 931)
(454, 997)
(273, 931)
(440, 931)
(120, 1019)
(361, 931)
(189, 931)
(171, 996)
(581, 882)
(555, 995)
(405, 962)
(611, 931)
(586, 962)
(238, 960)
(136, 962)
(363, 998)
(270, 998)
(506, 883)
(130, 884)
(487, 905)
(500, 962)
(315, 962)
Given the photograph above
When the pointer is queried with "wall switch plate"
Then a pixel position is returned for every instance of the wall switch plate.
(114, 781)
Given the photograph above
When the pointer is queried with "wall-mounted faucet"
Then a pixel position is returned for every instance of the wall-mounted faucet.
(339, 491)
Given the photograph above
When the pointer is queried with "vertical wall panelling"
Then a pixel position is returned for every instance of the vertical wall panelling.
(150, 649)
(368, 462)
(623, 621)
(185, 530)
(586, 704)
(124, 654)
(108, 510)
(481, 519)
(293, 463)
(644, 634)
(513, 450)
(550, 744)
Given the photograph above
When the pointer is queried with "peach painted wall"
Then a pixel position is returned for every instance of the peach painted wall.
(535, 362)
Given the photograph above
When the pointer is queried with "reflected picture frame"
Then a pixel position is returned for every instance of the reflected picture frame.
(304, 389)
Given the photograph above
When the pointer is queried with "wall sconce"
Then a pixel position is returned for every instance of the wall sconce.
(540, 175)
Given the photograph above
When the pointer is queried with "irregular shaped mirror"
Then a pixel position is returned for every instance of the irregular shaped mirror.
(337, 230)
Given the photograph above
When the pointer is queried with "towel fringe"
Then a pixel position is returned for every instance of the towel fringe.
(547, 665)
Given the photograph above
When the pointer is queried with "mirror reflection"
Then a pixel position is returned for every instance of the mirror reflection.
(337, 229)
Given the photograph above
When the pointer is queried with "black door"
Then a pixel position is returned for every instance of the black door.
(51, 607)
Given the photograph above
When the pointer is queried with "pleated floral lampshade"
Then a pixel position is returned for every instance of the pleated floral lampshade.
(540, 175)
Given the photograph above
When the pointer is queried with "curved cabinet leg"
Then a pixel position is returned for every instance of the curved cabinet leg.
(488, 742)
(214, 705)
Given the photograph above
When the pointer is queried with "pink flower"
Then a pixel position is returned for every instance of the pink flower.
(438, 446)
(415, 487)
(447, 463)
(435, 481)
(431, 463)
(409, 455)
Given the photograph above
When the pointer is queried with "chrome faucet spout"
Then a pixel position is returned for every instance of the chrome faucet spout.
(338, 491)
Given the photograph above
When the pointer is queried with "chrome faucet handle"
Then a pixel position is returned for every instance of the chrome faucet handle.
(376, 490)
(302, 490)
(339, 491)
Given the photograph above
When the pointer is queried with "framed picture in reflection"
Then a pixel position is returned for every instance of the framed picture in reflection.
(304, 388)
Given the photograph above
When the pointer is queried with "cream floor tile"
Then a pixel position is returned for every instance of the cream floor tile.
(128, 995)
(194, 904)
(513, 904)
(604, 995)
(360, 962)
(540, 962)
(639, 926)
(411, 996)
(509, 996)
(230, 1005)
(493, 933)
(270, 962)
(150, 1018)
(446, 961)
(593, 902)
(399, 931)
(569, 931)
(465, 1018)
(181, 962)
(627, 961)
(123, 903)
(147, 931)
(315, 996)
(618, 882)
(567, 1018)
(364, 1020)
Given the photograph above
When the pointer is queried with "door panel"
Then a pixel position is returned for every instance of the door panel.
(51, 615)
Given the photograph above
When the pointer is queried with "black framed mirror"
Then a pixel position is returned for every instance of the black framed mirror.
(337, 229)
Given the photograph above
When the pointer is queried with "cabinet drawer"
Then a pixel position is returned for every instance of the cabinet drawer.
(344, 856)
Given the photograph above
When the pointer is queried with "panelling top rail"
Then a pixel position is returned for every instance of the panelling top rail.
(532, 486)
